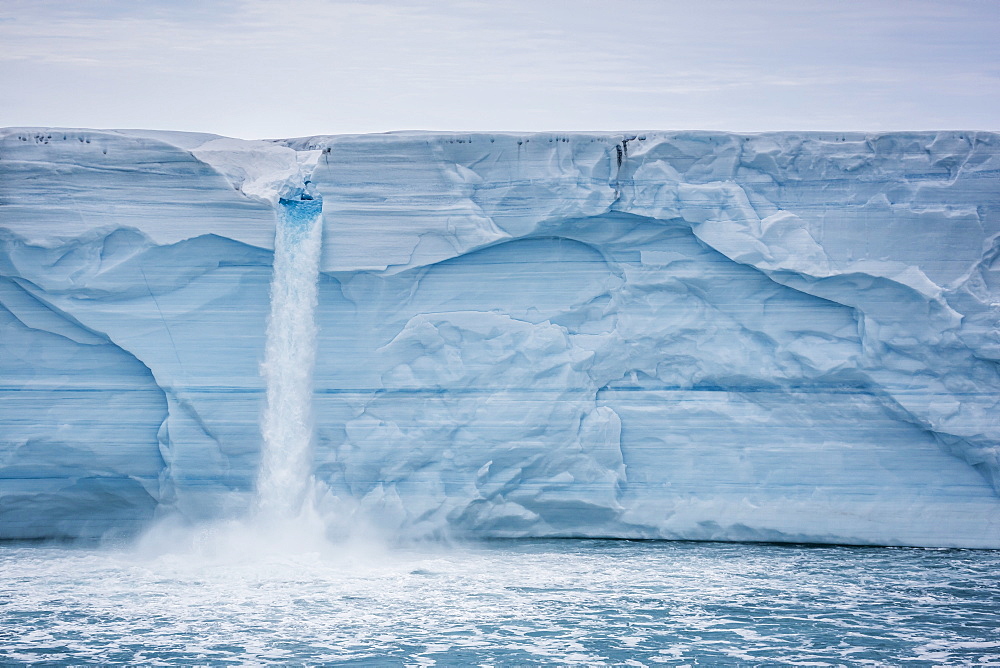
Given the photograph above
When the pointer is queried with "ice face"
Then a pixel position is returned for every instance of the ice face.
(787, 336)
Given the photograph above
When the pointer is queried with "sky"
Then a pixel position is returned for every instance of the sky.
(288, 68)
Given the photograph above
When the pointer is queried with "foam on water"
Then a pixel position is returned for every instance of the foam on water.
(524, 602)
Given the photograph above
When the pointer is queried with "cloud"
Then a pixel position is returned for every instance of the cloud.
(256, 67)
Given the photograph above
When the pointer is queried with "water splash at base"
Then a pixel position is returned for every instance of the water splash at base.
(292, 513)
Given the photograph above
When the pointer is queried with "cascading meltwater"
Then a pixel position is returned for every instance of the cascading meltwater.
(285, 475)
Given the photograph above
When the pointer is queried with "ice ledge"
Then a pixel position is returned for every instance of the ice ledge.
(260, 170)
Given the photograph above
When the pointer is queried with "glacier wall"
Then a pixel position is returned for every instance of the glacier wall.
(785, 336)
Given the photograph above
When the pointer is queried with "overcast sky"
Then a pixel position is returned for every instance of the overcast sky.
(262, 68)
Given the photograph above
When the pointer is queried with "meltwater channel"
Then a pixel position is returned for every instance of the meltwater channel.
(283, 483)
(250, 591)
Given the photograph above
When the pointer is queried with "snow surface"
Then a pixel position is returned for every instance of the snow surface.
(783, 336)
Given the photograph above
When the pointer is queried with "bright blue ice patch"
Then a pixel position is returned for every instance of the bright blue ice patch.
(301, 212)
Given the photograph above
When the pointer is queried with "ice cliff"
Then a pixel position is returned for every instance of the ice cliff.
(783, 337)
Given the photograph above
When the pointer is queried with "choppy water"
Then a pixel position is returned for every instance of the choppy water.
(524, 602)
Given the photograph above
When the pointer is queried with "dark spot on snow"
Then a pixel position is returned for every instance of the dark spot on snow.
(625, 144)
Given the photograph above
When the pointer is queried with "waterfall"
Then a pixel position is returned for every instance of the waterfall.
(285, 475)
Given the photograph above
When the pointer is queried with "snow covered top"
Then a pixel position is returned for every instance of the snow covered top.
(780, 201)
(789, 204)
(916, 209)
(153, 181)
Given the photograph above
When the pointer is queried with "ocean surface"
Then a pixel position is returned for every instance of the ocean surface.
(502, 603)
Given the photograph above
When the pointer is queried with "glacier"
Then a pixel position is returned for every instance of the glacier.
(786, 337)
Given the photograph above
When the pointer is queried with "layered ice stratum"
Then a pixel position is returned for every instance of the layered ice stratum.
(770, 337)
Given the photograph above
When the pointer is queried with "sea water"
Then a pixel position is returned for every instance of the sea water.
(503, 603)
